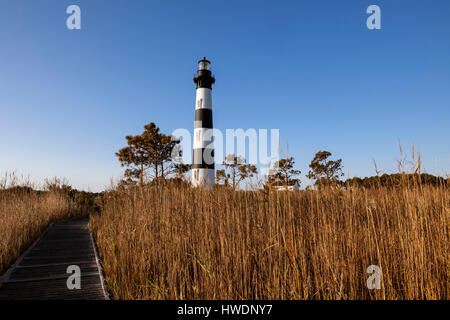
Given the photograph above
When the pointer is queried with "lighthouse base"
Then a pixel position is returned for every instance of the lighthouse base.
(203, 178)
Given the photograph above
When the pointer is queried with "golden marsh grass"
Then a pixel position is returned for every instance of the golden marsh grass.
(24, 215)
(184, 243)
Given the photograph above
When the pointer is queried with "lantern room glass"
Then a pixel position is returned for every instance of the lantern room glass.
(203, 65)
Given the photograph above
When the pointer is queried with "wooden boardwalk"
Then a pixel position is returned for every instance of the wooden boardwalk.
(41, 272)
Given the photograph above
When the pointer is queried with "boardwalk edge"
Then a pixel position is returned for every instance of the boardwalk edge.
(100, 269)
(5, 277)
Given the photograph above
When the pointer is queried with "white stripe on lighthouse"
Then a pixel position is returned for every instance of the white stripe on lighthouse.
(204, 99)
(200, 140)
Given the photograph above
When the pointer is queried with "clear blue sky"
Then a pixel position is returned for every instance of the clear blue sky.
(310, 68)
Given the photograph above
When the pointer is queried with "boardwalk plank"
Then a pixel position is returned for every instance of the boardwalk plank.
(41, 273)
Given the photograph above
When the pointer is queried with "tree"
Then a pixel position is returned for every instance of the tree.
(284, 173)
(149, 150)
(236, 171)
(135, 156)
(178, 167)
(325, 171)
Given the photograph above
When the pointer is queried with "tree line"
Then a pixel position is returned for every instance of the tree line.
(154, 158)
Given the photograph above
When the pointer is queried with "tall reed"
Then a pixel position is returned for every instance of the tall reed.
(184, 243)
(25, 213)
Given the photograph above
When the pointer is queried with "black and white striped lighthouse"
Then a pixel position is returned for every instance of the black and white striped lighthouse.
(203, 173)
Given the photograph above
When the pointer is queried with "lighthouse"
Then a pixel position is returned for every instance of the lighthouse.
(203, 173)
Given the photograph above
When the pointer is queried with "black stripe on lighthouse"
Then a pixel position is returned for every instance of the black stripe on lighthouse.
(203, 159)
(203, 119)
